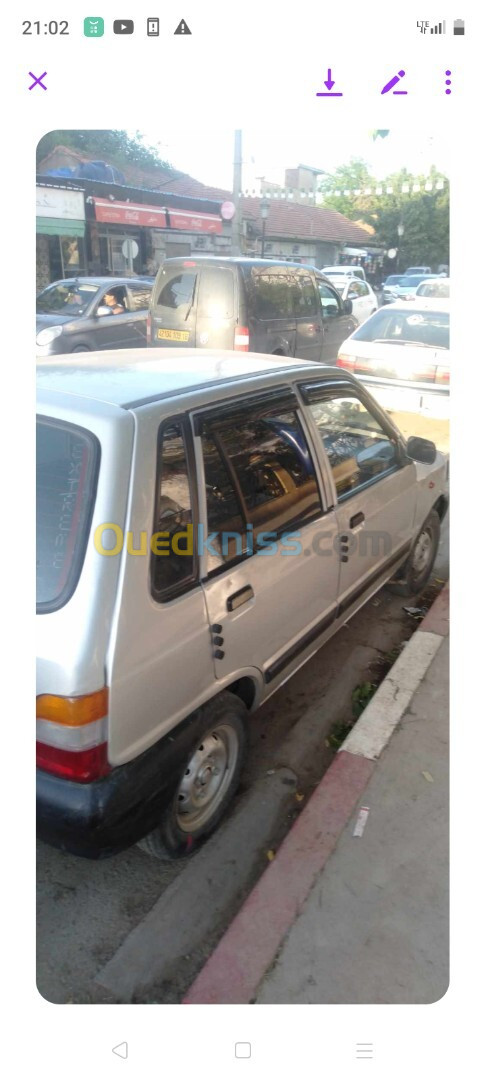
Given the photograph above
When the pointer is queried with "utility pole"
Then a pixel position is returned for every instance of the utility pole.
(237, 182)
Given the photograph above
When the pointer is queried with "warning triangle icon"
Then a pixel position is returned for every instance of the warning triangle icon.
(182, 28)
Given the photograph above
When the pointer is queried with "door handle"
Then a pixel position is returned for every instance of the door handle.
(238, 598)
(357, 519)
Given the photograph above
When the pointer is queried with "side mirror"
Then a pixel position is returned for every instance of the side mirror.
(421, 450)
(348, 307)
(103, 310)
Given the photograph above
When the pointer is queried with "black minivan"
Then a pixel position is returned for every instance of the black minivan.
(250, 305)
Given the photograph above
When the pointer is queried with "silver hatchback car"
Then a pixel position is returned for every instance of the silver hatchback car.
(206, 521)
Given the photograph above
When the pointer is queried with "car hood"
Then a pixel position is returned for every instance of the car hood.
(51, 319)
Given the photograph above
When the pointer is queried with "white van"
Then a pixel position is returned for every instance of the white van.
(344, 271)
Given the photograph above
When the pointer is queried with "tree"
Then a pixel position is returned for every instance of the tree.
(117, 147)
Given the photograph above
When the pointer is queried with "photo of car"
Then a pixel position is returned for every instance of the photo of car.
(85, 313)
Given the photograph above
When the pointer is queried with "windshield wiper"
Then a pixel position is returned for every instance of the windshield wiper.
(401, 341)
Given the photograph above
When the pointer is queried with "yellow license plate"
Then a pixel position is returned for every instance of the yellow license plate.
(173, 335)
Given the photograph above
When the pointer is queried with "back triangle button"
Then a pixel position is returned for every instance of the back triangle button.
(182, 28)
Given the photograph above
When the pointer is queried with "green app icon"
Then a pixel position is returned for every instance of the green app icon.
(94, 27)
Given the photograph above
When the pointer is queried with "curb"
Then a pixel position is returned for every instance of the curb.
(237, 966)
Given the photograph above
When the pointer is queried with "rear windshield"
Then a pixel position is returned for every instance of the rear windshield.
(438, 289)
(67, 468)
(429, 328)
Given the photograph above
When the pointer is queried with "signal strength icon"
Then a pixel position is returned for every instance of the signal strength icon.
(439, 29)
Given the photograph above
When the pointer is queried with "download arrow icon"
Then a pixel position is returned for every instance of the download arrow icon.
(329, 82)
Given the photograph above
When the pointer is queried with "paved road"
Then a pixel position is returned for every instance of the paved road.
(86, 909)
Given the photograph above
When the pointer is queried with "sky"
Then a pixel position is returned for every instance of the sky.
(208, 155)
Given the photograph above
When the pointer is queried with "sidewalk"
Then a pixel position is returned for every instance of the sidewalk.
(339, 918)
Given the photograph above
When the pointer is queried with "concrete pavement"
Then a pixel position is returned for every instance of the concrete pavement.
(343, 918)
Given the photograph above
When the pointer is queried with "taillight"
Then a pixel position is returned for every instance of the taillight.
(348, 362)
(442, 375)
(71, 735)
(149, 329)
(426, 374)
(242, 339)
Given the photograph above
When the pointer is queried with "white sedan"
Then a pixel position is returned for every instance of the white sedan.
(402, 354)
(360, 293)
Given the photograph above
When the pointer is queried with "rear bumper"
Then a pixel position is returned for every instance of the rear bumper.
(398, 396)
(99, 819)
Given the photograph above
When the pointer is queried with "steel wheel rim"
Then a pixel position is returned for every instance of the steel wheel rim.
(422, 553)
(207, 777)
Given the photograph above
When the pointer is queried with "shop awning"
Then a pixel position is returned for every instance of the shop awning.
(354, 251)
(155, 217)
(59, 226)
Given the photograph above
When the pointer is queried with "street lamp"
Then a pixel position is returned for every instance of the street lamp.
(400, 231)
(264, 209)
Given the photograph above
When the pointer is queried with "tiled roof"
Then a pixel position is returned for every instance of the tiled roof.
(293, 219)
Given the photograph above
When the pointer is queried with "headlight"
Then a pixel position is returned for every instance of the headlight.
(44, 337)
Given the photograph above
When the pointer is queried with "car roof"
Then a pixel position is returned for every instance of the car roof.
(237, 260)
(130, 378)
(82, 279)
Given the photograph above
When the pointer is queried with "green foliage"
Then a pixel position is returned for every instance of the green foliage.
(116, 147)
(360, 697)
(424, 215)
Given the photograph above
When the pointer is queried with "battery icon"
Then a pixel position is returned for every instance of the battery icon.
(153, 27)
(458, 26)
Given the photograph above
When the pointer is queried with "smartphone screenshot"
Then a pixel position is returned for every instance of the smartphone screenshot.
(246, 236)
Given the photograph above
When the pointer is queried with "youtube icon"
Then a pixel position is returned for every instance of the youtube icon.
(123, 26)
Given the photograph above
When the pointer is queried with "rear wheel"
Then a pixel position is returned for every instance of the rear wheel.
(418, 567)
(81, 348)
(207, 783)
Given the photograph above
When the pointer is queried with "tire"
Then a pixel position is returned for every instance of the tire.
(418, 567)
(81, 348)
(218, 751)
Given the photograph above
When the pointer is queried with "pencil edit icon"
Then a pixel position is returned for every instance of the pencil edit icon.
(394, 82)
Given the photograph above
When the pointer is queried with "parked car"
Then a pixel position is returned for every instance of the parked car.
(344, 271)
(418, 270)
(253, 305)
(362, 297)
(388, 286)
(434, 288)
(406, 286)
(184, 511)
(401, 354)
(79, 314)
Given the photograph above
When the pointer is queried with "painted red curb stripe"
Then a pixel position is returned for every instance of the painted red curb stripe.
(233, 972)
(437, 619)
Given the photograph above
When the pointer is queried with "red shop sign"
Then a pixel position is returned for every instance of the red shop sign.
(122, 213)
(209, 223)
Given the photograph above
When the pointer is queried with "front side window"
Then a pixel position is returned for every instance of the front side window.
(357, 446)
(176, 295)
(329, 301)
(173, 542)
(269, 472)
(67, 469)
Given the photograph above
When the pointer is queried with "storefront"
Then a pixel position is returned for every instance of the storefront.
(60, 228)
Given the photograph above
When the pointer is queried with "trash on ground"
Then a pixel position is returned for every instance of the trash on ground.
(415, 612)
(270, 772)
(427, 776)
(270, 855)
(361, 820)
(299, 796)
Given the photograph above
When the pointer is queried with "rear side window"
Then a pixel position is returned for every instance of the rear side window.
(260, 478)
(216, 294)
(304, 295)
(271, 295)
(176, 293)
(173, 542)
(67, 471)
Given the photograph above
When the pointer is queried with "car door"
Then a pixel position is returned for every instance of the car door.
(375, 486)
(174, 308)
(113, 331)
(139, 294)
(270, 571)
(362, 300)
(337, 326)
(309, 326)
